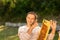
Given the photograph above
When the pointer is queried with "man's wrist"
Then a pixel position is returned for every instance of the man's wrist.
(53, 31)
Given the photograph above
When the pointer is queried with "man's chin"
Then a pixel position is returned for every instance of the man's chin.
(31, 24)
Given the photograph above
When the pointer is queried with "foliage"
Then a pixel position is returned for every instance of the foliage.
(16, 10)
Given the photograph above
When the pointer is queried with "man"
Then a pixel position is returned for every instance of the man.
(31, 30)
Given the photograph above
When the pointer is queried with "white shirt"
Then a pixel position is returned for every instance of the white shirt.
(23, 35)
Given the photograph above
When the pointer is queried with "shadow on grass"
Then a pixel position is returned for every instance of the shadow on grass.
(9, 33)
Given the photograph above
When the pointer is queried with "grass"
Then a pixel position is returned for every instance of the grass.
(10, 33)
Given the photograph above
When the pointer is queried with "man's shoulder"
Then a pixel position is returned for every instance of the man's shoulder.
(37, 28)
(21, 28)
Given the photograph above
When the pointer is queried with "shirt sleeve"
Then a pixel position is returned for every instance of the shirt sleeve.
(23, 35)
(50, 36)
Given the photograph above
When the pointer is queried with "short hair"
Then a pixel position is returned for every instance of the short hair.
(33, 13)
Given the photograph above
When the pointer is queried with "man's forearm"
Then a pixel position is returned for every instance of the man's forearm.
(53, 31)
(29, 30)
(51, 35)
(32, 27)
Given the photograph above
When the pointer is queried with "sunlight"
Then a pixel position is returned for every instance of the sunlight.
(12, 37)
(2, 27)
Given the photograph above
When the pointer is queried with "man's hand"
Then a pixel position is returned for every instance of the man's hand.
(53, 26)
(32, 27)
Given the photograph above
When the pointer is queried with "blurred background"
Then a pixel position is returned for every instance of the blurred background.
(13, 13)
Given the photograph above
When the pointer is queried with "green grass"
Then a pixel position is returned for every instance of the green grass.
(10, 33)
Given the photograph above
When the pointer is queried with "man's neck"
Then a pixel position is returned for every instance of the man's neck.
(28, 26)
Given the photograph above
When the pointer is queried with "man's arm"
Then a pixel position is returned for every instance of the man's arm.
(32, 27)
(52, 34)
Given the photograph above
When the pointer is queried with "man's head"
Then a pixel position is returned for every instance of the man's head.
(31, 17)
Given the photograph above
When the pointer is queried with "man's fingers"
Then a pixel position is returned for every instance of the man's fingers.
(52, 22)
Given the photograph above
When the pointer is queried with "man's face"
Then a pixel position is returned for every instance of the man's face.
(30, 18)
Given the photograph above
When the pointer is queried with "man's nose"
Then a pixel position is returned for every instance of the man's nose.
(30, 19)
